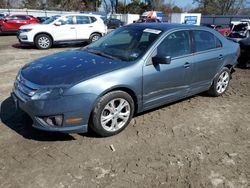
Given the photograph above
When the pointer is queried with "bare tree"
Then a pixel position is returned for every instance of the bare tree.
(106, 6)
(221, 7)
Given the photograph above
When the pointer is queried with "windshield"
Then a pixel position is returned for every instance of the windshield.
(51, 19)
(125, 43)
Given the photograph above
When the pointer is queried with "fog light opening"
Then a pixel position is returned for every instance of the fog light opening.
(53, 120)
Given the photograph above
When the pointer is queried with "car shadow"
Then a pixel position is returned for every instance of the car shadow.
(21, 123)
(7, 34)
(29, 46)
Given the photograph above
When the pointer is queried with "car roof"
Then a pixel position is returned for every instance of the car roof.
(20, 15)
(163, 26)
(80, 14)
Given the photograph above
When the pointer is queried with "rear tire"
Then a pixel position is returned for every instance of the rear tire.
(94, 37)
(43, 41)
(220, 83)
(112, 113)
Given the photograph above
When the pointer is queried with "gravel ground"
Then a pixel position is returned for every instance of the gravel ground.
(197, 142)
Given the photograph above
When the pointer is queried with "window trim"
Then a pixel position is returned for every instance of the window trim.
(148, 57)
(204, 51)
(190, 43)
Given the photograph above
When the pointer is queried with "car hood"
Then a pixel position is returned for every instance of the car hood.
(68, 67)
(31, 26)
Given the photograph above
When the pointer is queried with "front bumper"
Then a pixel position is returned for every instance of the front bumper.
(68, 106)
(24, 38)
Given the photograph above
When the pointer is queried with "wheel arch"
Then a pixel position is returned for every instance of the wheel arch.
(231, 68)
(126, 90)
(121, 88)
(95, 32)
(46, 33)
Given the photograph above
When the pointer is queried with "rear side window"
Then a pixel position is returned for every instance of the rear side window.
(82, 20)
(22, 18)
(93, 19)
(205, 40)
(175, 44)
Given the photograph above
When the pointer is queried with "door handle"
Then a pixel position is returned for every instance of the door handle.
(186, 65)
(72, 28)
(221, 57)
(91, 26)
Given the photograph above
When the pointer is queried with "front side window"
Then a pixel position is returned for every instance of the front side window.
(205, 40)
(12, 18)
(93, 19)
(126, 44)
(82, 20)
(175, 44)
(67, 20)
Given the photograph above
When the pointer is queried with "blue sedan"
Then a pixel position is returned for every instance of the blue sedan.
(132, 69)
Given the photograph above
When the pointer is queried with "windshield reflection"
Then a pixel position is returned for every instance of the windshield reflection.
(51, 19)
(126, 43)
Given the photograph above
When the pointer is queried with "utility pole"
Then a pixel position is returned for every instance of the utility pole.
(125, 5)
(44, 5)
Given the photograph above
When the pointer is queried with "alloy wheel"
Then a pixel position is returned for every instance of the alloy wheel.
(222, 82)
(44, 42)
(115, 114)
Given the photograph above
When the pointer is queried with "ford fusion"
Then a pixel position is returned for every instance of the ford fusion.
(132, 69)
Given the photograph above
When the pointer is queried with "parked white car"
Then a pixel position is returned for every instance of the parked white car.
(240, 29)
(63, 29)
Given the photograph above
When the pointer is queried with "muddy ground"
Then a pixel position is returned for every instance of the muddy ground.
(197, 142)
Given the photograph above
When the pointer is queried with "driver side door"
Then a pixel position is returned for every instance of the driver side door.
(164, 83)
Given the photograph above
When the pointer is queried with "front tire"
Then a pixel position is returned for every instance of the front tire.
(112, 113)
(43, 41)
(220, 83)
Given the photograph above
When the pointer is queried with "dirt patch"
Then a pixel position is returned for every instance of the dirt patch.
(198, 142)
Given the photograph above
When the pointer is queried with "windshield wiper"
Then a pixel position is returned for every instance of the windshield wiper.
(100, 53)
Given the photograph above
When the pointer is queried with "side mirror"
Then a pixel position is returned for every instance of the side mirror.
(161, 60)
(58, 23)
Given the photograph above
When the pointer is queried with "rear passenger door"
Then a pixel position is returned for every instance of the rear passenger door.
(207, 59)
(14, 22)
(84, 27)
(22, 20)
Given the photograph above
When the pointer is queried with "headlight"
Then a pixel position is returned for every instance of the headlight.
(24, 30)
(42, 94)
(51, 93)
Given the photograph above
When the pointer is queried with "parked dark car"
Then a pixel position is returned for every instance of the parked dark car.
(113, 23)
(11, 24)
(42, 18)
(132, 69)
(2, 15)
(244, 59)
(240, 29)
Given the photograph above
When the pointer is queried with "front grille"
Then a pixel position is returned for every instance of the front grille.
(24, 89)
